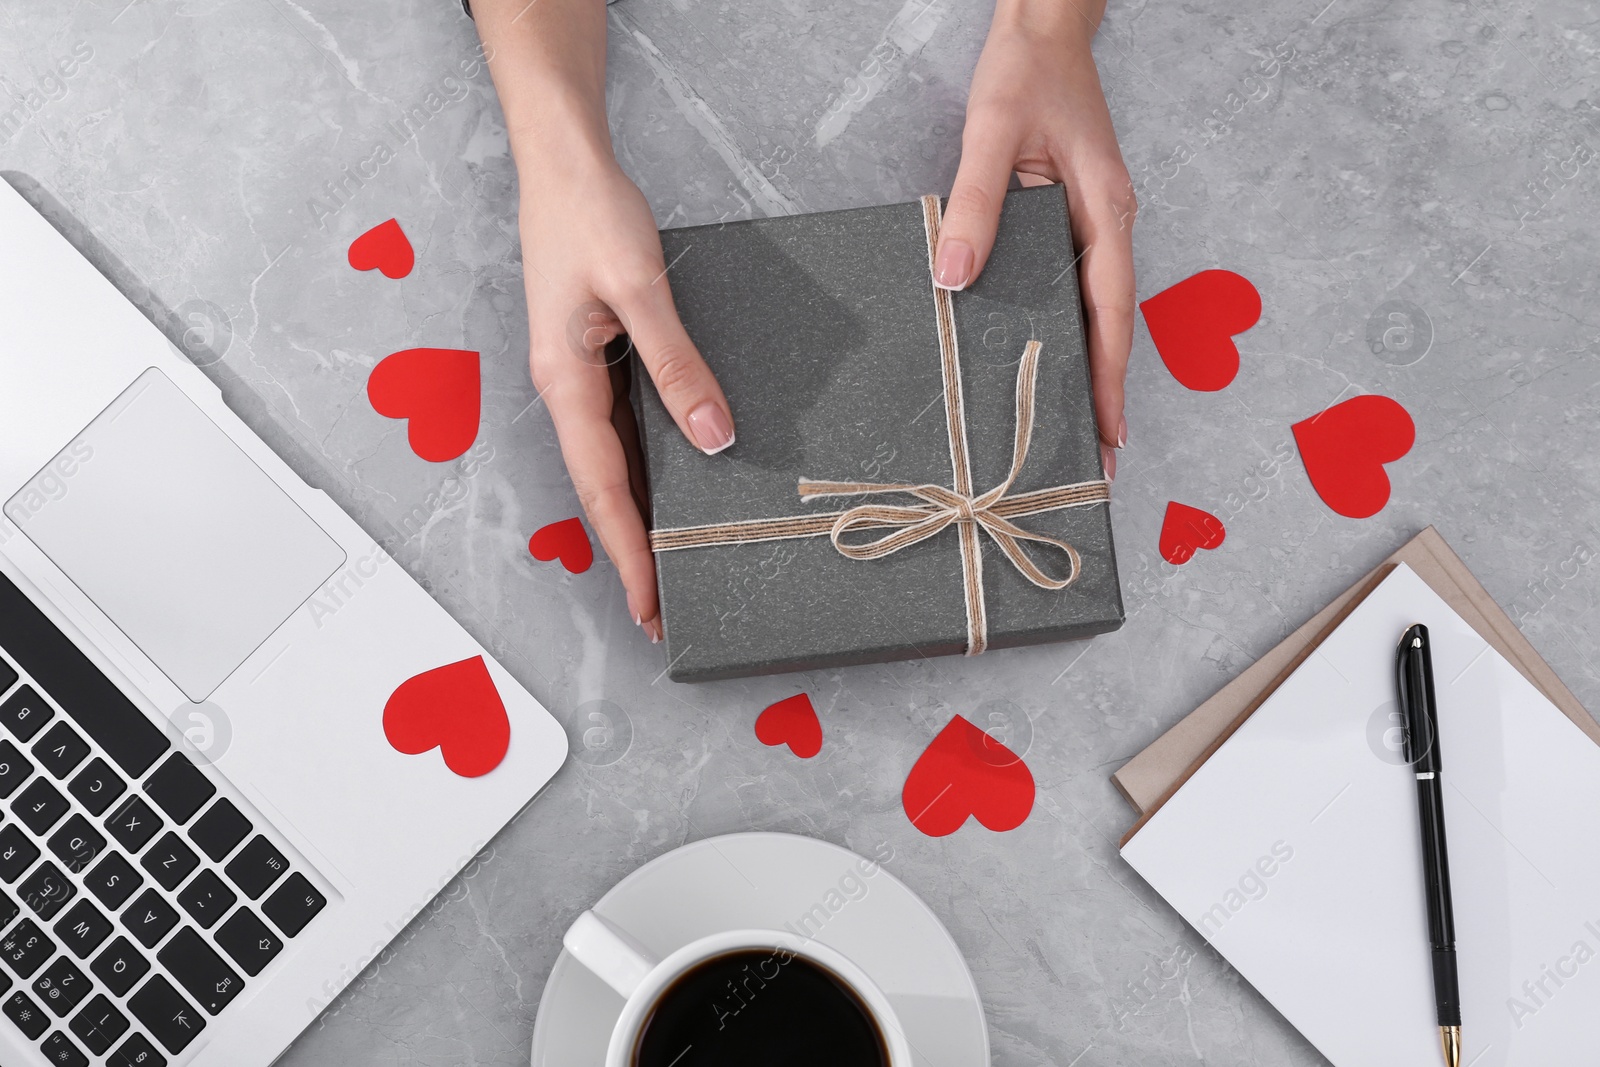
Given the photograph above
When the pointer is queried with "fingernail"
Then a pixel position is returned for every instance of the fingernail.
(1108, 459)
(653, 630)
(952, 269)
(1122, 433)
(713, 432)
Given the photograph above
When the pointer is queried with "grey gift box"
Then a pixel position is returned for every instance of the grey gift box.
(823, 334)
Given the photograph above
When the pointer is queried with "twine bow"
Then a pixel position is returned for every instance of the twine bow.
(941, 507)
(987, 511)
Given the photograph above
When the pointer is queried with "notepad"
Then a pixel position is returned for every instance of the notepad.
(1295, 851)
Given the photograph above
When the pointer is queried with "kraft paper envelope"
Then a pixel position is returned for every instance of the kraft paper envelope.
(1155, 773)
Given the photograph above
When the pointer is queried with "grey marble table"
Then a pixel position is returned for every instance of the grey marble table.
(1358, 160)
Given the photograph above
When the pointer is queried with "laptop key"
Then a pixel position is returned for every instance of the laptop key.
(25, 948)
(256, 867)
(28, 1016)
(219, 831)
(40, 806)
(119, 966)
(83, 928)
(99, 1025)
(294, 903)
(149, 918)
(113, 880)
(8, 676)
(17, 853)
(165, 1013)
(14, 769)
(199, 969)
(97, 785)
(247, 939)
(137, 1051)
(61, 987)
(77, 843)
(60, 750)
(178, 788)
(133, 824)
(24, 714)
(169, 861)
(8, 911)
(46, 890)
(61, 1052)
(206, 898)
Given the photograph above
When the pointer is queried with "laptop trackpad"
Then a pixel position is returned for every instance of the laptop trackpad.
(187, 545)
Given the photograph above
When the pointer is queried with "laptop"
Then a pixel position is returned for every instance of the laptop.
(206, 830)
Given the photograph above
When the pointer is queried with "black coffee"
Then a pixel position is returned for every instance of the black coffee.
(759, 1008)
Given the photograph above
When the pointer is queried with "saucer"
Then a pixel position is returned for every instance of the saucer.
(773, 881)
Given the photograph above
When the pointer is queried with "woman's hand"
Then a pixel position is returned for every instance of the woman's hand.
(592, 269)
(1036, 108)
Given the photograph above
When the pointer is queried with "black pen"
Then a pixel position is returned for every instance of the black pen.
(1414, 673)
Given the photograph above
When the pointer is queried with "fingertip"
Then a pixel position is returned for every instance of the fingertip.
(711, 428)
(644, 610)
(1112, 429)
(953, 265)
(650, 626)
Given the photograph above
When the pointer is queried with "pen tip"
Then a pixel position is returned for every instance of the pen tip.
(1450, 1037)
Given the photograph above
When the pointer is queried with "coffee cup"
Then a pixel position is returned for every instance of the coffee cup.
(734, 990)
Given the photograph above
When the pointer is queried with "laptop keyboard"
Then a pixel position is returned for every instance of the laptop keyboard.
(135, 903)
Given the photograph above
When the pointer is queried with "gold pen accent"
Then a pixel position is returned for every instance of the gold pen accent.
(1450, 1038)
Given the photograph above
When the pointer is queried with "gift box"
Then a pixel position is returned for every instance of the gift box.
(917, 473)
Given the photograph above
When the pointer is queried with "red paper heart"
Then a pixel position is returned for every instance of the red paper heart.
(1186, 529)
(793, 722)
(438, 390)
(1194, 322)
(384, 247)
(1345, 447)
(966, 772)
(567, 541)
(454, 708)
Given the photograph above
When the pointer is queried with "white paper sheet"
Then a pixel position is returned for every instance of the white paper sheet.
(1295, 851)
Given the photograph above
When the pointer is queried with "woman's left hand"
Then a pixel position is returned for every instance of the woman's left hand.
(1036, 108)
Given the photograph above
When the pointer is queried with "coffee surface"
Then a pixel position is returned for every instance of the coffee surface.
(759, 1008)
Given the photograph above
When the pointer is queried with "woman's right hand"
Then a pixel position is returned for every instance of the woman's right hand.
(593, 270)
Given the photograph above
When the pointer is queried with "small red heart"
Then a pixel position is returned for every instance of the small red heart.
(1186, 529)
(966, 772)
(1194, 322)
(438, 390)
(454, 708)
(793, 722)
(384, 247)
(1345, 447)
(567, 541)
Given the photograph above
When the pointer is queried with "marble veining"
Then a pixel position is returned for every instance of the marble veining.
(1357, 160)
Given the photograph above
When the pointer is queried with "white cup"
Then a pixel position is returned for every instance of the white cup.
(626, 966)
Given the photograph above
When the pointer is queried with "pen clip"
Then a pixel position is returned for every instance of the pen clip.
(1414, 688)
